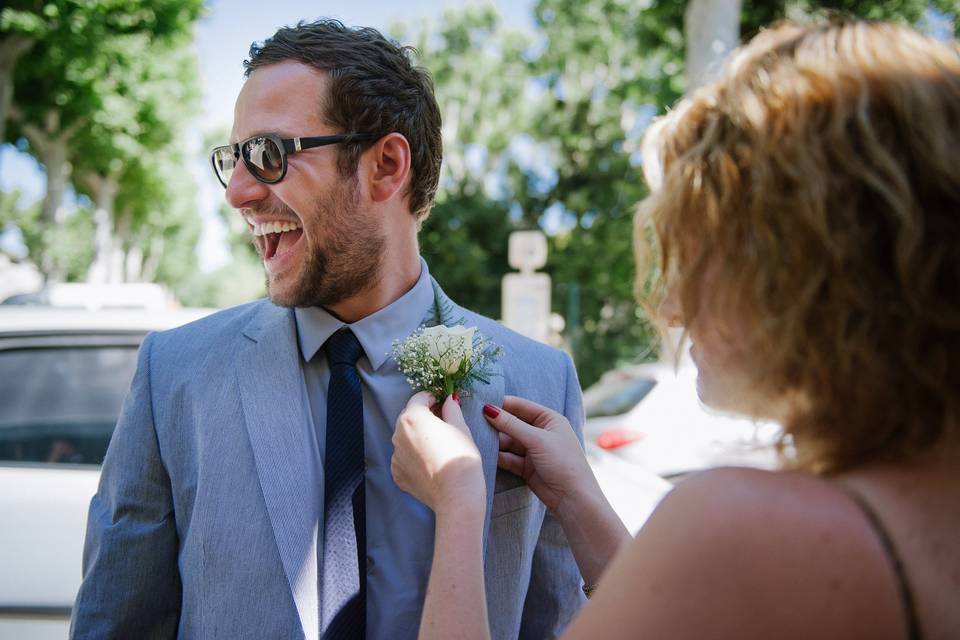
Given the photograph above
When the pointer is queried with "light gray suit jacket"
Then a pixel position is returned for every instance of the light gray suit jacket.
(201, 527)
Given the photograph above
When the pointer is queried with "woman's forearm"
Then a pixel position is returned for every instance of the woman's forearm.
(594, 532)
(456, 604)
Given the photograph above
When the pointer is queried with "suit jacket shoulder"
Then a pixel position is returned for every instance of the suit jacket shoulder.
(212, 334)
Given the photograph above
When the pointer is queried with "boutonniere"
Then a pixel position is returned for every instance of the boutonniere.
(445, 357)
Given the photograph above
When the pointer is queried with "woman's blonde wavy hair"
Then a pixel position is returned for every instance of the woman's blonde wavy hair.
(819, 180)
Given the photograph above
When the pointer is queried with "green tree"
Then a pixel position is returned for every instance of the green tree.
(578, 95)
(606, 68)
(76, 48)
(77, 27)
(147, 101)
(480, 75)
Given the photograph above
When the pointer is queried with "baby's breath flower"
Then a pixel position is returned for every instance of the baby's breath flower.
(444, 360)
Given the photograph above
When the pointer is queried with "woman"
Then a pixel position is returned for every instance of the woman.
(807, 211)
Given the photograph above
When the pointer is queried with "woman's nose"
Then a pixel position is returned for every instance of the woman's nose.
(671, 310)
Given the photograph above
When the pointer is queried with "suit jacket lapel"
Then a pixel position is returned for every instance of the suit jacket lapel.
(484, 435)
(280, 427)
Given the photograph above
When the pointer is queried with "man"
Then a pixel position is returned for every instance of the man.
(247, 489)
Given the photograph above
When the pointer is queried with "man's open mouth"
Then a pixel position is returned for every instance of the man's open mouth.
(274, 238)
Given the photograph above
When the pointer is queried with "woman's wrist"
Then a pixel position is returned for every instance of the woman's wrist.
(461, 484)
(464, 499)
(594, 531)
(587, 501)
(460, 516)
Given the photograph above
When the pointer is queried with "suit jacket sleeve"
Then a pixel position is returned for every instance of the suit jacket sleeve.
(555, 592)
(131, 586)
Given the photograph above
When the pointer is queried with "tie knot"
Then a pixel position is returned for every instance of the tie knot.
(342, 348)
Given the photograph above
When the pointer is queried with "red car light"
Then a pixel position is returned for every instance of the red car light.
(616, 438)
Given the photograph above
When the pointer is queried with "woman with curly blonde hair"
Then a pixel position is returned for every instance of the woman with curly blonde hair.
(806, 207)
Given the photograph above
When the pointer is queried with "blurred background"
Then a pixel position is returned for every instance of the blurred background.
(112, 223)
(109, 108)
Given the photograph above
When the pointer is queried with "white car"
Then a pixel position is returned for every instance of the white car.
(651, 418)
(63, 377)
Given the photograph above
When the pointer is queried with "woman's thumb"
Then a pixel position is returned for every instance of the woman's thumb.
(452, 413)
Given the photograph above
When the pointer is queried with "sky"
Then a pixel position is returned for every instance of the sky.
(223, 38)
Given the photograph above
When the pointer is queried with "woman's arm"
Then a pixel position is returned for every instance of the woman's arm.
(437, 462)
(456, 604)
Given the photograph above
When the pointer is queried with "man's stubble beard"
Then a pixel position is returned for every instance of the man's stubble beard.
(349, 261)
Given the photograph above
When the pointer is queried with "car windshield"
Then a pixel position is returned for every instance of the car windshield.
(61, 404)
(611, 398)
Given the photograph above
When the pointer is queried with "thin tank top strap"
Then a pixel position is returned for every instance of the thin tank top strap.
(890, 549)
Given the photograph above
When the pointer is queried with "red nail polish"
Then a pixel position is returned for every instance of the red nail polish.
(490, 411)
(456, 398)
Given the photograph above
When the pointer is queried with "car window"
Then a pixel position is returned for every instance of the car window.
(614, 398)
(60, 405)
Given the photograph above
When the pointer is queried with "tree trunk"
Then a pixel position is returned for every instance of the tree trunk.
(12, 47)
(105, 192)
(151, 264)
(712, 30)
(118, 255)
(52, 143)
(133, 263)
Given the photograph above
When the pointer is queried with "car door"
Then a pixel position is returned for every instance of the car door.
(60, 395)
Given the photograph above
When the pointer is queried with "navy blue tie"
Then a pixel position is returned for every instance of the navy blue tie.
(343, 605)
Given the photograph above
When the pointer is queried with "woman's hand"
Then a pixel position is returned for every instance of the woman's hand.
(539, 445)
(435, 460)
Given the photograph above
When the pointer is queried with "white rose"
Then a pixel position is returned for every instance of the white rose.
(449, 346)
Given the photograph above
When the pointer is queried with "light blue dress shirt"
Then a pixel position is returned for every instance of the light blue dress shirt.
(399, 528)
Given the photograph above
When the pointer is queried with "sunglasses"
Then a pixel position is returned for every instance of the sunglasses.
(265, 155)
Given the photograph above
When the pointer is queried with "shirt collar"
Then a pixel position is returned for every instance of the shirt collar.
(375, 332)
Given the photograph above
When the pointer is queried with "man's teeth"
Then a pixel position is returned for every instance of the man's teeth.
(274, 227)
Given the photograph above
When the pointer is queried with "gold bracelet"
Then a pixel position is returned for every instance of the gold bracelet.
(588, 590)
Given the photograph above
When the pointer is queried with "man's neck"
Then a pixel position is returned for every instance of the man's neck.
(398, 275)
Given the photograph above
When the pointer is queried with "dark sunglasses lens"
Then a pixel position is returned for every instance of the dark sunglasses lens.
(224, 162)
(264, 158)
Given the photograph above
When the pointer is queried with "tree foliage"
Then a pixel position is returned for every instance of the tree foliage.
(569, 105)
(541, 130)
(480, 76)
(100, 94)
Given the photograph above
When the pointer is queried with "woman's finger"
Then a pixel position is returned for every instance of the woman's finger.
(511, 462)
(509, 444)
(423, 399)
(533, 413)
(505, 422)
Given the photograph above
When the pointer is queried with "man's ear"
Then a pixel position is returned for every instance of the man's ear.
(389, 162)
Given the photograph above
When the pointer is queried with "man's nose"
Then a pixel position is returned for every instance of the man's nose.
(244, 190)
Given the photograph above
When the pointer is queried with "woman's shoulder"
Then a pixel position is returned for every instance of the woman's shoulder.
(752, 553)
(792, 516)
(742, 493)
